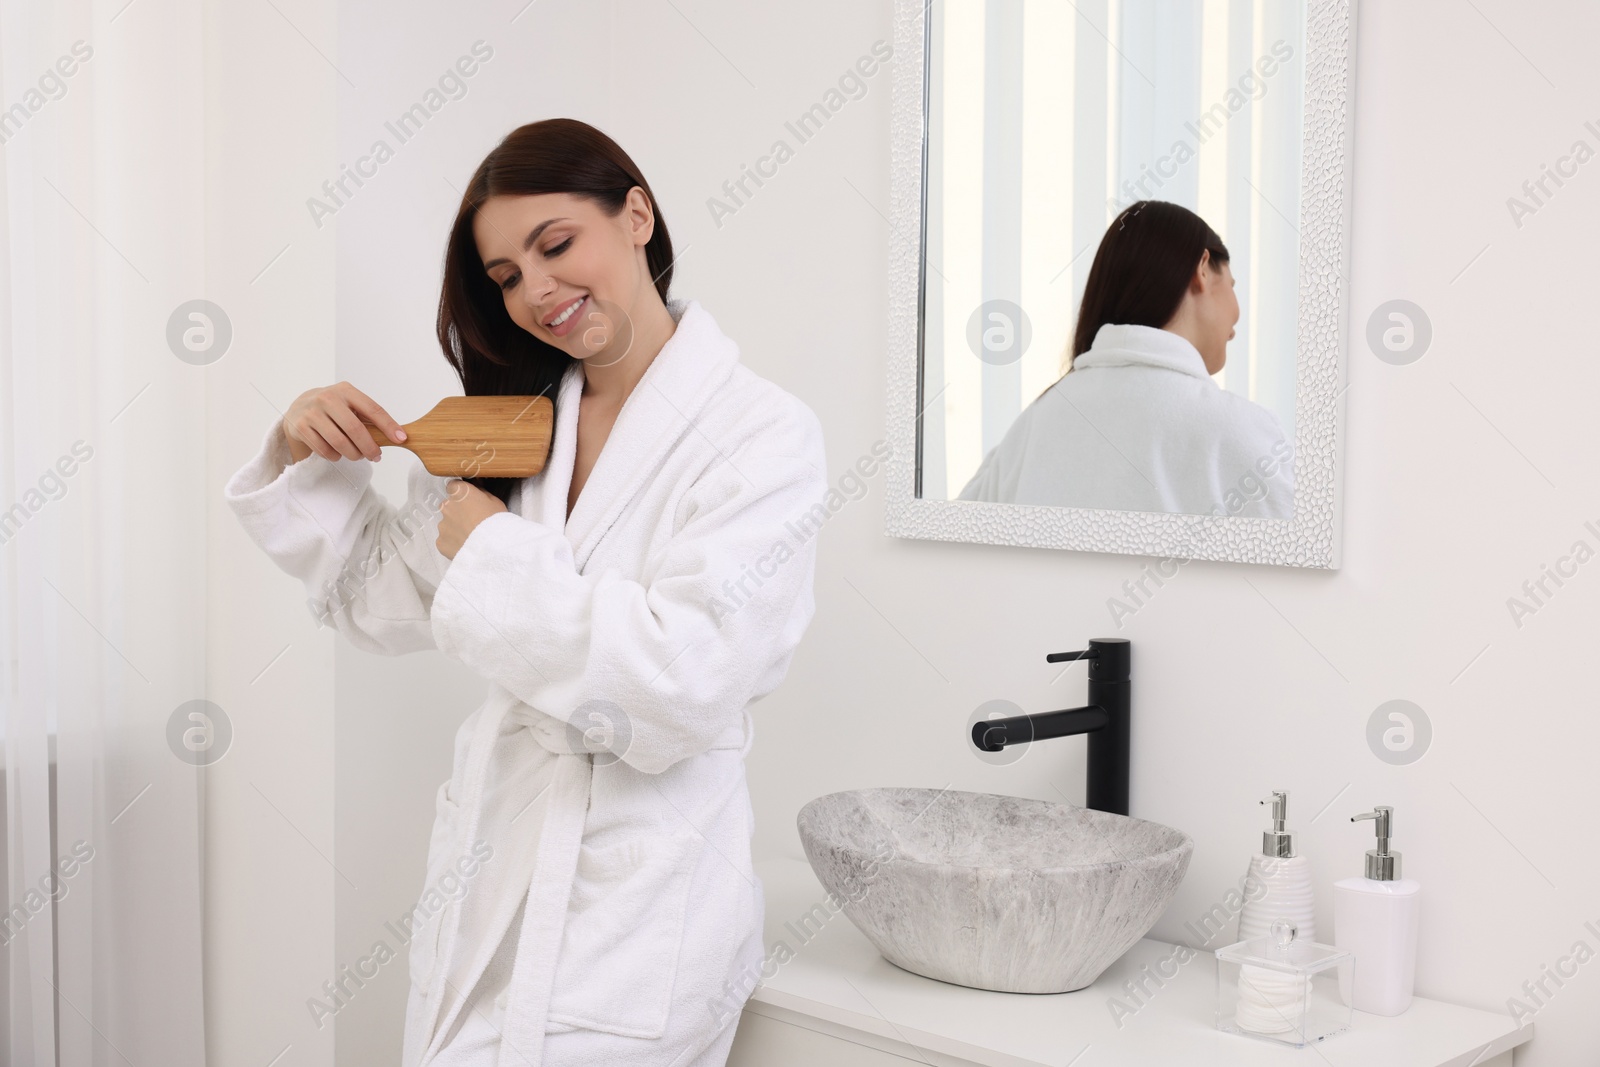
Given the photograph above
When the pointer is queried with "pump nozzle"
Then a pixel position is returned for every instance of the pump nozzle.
(1382, 864)
(1278, 842)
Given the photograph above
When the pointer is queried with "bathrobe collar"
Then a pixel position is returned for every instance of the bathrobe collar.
(694, 363)
(1125, 345)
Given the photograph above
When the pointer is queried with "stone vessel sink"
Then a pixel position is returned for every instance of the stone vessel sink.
(989, 891)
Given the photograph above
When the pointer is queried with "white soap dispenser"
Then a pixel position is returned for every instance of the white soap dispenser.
(1278, 884)
(1375, 917)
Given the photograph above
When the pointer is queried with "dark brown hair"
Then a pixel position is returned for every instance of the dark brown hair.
(490, 353)
(1142, 267)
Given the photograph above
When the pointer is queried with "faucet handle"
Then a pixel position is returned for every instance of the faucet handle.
(1107, 658)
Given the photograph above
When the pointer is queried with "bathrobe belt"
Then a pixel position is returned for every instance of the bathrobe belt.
(549, 885)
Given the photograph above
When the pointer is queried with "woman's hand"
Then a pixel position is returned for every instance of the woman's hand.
(327, 421)
(465, 507)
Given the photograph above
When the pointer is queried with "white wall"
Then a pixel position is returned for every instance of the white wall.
(269, 818)
(1466, 472)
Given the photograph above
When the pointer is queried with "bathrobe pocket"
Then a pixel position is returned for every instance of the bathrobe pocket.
(625, 927)
(428, 914)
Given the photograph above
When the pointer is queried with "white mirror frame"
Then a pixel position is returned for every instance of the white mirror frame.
(1311, 537)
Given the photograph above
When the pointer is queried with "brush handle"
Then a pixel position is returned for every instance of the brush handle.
(479, 436)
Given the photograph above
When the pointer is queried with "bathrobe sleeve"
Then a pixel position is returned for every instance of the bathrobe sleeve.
(996, 478)
(985, 481)
(670, 660)
(369, 570)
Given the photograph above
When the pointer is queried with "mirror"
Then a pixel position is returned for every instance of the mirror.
(1129, 275)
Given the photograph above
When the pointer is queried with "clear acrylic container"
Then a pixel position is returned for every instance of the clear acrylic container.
(1282, 989)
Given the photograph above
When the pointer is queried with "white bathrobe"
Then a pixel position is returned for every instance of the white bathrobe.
(623, 648)
(1138, 425)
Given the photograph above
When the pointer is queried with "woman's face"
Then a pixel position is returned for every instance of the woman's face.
(556, 256)
(1219, 311)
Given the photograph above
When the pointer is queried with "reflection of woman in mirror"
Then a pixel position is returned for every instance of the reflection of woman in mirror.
(1137, 423)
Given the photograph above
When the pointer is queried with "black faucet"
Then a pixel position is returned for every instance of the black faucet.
(1104, 719)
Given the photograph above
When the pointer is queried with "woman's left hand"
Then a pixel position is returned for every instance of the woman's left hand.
(459, 515)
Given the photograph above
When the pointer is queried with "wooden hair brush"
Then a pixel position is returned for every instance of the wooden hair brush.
(479, 436)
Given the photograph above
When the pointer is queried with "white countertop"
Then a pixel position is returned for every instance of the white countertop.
(835, 981)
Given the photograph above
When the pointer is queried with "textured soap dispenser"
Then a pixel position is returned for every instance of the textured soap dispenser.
(1278, 884)
(1375, 917)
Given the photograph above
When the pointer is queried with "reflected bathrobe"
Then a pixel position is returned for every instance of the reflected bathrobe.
(1140, 425)
(617, 911)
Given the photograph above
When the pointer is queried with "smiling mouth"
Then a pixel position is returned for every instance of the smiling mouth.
(561, 322)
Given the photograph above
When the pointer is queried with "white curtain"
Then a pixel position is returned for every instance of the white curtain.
(102, 533)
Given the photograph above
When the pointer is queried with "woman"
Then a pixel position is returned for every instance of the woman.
(1137, 423)
(598, 795)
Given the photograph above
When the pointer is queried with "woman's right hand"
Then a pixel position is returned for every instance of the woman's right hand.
(327, 421)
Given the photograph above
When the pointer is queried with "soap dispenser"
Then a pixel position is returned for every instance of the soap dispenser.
(1375, 917)
(1278, 884)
